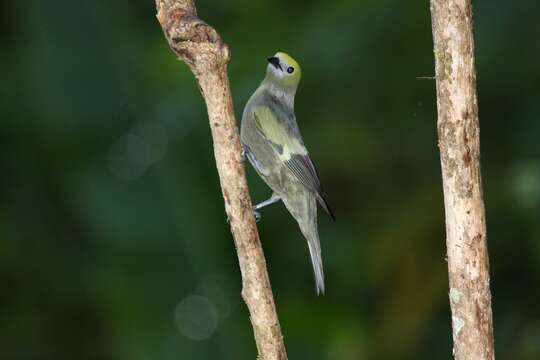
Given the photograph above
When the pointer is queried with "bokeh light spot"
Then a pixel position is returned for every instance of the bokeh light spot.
(196, 317)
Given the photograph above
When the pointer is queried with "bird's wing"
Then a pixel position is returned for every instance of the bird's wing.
(278, 133)
(285, 140)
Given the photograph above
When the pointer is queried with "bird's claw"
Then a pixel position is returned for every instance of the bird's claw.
(243, 154)
(255, 213)
(257, 216)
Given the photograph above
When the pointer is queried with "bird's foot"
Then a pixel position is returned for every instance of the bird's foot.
(243, 154)
(257, 216)
(255, 213)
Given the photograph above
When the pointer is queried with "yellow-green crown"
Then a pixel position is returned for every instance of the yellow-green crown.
(286, 58)
(289, 73)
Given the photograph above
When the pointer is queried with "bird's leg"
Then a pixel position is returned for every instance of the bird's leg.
(273, 199)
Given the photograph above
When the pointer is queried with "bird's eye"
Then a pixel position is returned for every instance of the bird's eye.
(290, 69)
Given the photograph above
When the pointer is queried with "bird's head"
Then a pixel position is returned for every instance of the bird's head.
(283, 71)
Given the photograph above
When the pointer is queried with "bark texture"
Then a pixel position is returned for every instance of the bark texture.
(459, 145)
(201, 47)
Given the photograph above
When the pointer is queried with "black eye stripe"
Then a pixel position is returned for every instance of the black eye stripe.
(290, 69)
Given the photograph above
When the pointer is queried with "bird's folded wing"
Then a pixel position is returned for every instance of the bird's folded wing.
(290, 150)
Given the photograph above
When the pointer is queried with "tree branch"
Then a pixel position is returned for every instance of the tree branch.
(459, 145)
(201, 47)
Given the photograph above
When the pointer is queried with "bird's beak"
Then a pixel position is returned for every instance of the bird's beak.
(275, 62)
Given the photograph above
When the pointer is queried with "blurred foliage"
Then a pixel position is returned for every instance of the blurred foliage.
(114, 243)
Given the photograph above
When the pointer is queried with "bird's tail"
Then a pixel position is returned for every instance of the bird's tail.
(316, 261)
(310, 233)
(303, 207)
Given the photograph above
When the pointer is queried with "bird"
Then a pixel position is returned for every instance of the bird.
(272, 143)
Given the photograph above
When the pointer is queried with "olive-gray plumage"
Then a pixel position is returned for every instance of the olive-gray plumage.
(273, 144)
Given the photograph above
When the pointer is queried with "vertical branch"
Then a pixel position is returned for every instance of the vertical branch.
(200, 46)
(459, 145)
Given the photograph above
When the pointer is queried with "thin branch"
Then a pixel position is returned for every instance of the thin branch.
(425, 78)
(459, 145)
(201, 47)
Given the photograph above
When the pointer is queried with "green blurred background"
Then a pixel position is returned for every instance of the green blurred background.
(113, 239)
